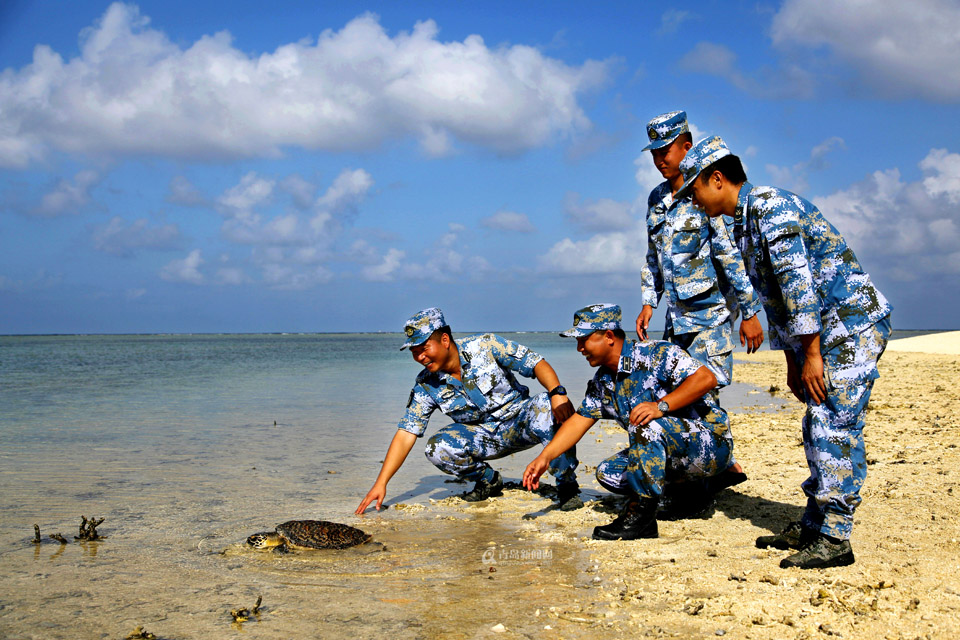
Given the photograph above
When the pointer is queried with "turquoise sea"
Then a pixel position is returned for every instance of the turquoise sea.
(186, 444)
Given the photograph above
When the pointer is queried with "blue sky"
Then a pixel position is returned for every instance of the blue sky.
(220, 167)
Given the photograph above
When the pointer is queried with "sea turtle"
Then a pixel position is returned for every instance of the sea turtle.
(309, 534)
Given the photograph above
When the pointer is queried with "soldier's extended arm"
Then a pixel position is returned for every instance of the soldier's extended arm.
(399, 448)
(567, 435)
(545, 375)
(694, 387)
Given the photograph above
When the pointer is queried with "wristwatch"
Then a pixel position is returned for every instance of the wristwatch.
(663, 407)
(557, 391)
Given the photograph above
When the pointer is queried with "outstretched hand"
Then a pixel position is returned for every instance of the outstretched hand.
(531, 475)
(376, 493)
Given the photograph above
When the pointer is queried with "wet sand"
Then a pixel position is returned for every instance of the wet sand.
(705, 577)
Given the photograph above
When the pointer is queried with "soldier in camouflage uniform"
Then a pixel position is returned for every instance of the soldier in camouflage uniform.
(697, 270)
(692, 263)
(659, 394)
(829, 319)
(472, 381)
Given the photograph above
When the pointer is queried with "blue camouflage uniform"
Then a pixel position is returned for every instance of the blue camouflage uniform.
(693, 264)
(810, 282)
(692, 442)
(495, 414)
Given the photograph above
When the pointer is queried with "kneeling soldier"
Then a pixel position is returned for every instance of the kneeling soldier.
(660, 395)
(473, 382)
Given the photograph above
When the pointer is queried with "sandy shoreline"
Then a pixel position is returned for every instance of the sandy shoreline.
(704, 577)
(180, 503)
(945, 343)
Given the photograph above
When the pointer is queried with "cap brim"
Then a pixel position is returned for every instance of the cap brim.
(685, 188)
(575, 333)
(658, 144)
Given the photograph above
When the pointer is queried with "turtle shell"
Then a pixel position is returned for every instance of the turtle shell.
(320, 534)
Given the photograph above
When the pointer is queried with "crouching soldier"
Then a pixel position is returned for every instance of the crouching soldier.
(472, 381)
(660, 395)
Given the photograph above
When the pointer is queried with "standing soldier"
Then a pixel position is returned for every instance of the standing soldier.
(832, 324)
(696, 269)
(472, 381)
(660, 395)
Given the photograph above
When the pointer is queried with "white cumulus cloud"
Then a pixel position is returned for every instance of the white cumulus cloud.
(67, 197)
(185, 270)
(603, 214)
(898, 48)
(613, 253)
(122, 238)
(907, 230)
(508, 221)
(131, 90)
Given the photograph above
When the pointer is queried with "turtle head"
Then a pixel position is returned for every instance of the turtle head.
(264, 540)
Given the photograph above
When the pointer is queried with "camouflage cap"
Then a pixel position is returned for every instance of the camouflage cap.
(699, 157)
(596, 317)
(422, 325)
(665, 128)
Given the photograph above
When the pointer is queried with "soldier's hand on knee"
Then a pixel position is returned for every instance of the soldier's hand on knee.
(644, 412)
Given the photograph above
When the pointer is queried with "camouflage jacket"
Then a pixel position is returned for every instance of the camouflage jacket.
(807, 277)
(694, 264)
(487, 393)
(648, 371)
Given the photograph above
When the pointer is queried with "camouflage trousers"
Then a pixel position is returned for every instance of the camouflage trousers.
(668, 449)
(833, 431)
(461, 449)
(711, 347)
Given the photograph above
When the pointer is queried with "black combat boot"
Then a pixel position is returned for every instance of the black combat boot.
(483, 489)
(724, 479)
(793, 536)
(568, 496)
(820, 553)
(638, 519)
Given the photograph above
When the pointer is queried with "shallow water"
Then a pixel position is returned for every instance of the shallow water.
(187, 444)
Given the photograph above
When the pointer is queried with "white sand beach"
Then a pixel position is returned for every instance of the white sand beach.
(947, 342)
(705, 577)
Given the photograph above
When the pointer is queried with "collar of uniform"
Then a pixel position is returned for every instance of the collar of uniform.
(464, 357)
(626, 357)
(743, 199)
